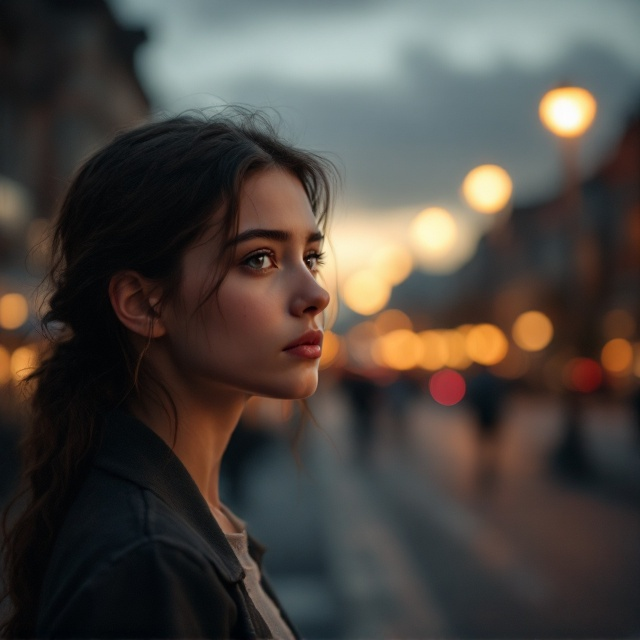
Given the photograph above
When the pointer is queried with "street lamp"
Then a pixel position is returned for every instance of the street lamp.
(568, 112)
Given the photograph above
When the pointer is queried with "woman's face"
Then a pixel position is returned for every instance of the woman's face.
(262, 333)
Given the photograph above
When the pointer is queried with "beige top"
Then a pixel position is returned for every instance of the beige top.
(263, 603)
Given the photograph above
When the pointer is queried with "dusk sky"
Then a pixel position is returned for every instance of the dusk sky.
(406, 96)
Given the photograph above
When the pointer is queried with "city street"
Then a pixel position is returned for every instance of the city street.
(420, 540)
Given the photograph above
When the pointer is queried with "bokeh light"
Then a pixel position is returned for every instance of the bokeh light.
(393, 263)
(583, 375)
(487, 188)
(401, 349)
(433, 233)
(14, 310)
(447, 387)
(365, 292)
(456, 341)
(23, 361)
(568, 111)
(617, 356)
(5, 365)
(435, 352)
(532, 331)
(392, 319)
(331, 345)
(486, 344)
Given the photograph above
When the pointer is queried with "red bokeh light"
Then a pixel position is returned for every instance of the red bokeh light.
(583, 375)
(447, 387)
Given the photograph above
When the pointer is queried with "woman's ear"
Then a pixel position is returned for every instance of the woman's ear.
(135, 301)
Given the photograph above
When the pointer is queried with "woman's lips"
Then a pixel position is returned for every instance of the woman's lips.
(308, 345)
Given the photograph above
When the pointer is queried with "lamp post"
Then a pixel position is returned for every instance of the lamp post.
(568, 112)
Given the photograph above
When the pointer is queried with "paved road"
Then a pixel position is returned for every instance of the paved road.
(419, 542)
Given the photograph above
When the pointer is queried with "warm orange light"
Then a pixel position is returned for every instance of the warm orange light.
(435, 352)
(23, 361)
(618, 323)
(617, 356)
(393, 262)
(5, 365)
(400, 349)
(14, 310)
(457, 356)
(568, 111)
(487, 188)
(330, 349)
(392, 319)
(532, 331)
(486, 344)
(433, 232)
(365, 292)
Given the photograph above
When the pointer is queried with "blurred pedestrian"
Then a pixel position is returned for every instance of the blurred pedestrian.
(363, 395)
(486, 395)
(184, 281)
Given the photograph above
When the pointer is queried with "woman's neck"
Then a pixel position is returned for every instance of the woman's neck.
(199, 439)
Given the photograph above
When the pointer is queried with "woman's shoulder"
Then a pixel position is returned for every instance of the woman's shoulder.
(110, 513)
(111, 517)
(137, 577)
(121, 543)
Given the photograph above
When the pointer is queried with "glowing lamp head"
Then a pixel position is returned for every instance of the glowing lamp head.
(568, 111)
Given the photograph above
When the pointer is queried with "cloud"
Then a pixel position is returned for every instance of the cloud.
(412, 141)
(409, 95)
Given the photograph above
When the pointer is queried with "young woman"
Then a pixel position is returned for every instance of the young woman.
(186, 256)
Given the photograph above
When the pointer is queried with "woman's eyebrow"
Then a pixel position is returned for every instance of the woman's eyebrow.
(271, 234)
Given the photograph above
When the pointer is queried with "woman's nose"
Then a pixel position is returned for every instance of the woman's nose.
(311, 297)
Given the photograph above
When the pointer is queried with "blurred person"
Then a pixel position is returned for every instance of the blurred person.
(486, 395)
(363, 395)
(184, 281)
(400, 396)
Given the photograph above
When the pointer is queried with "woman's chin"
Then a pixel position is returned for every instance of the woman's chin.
(298, 389)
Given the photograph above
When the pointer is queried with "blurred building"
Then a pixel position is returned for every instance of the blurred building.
(67, 83)
(536, 244)
(546, 252)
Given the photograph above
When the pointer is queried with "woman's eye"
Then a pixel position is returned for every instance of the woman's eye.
(314, 260)
(259, 261)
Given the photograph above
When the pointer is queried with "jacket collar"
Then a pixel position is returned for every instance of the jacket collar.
(134, 452)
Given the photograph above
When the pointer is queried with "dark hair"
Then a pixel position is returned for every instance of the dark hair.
(137, 204)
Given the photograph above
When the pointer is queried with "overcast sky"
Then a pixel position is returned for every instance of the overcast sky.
(407, 95)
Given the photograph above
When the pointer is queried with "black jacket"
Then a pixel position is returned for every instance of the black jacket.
(139, 554)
